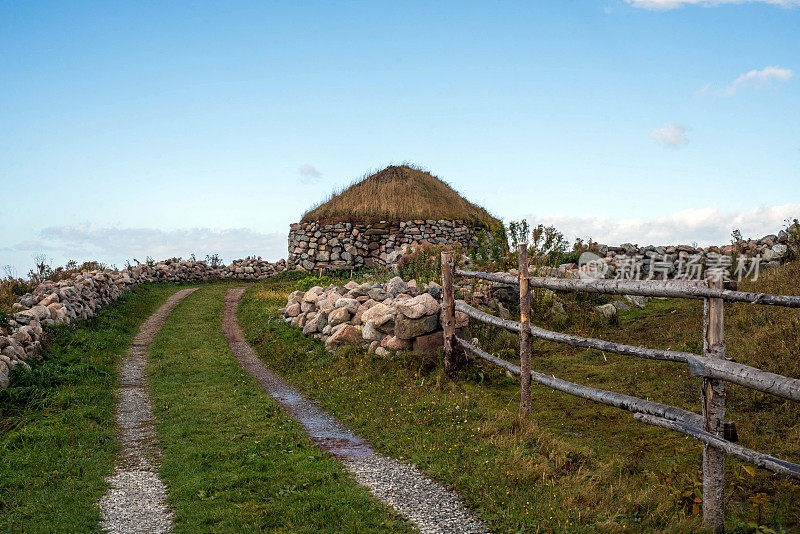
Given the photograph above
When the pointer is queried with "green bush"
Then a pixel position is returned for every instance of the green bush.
(425, 263)
(497, 250)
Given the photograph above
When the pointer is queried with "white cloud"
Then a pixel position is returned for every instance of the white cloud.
(704, 226)
(115, 245)
(759, 78)
(754, 79)
(703, 90)
(308, 173)
(672, 4)
(670, 135)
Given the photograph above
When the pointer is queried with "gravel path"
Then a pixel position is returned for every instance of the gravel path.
(136, 500)
(431, 507)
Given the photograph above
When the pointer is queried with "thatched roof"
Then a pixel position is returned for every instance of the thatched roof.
(399, 193)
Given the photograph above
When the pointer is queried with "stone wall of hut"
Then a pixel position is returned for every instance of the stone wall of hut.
(313, 245)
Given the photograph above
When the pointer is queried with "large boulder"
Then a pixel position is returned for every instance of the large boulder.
(416, 307)
(50, 299)
(396, 285)
(379, 314)
(405, 328)
(351, 305)
(428, 344)
(296, 296)
(370, 333)
(606, 311)
(360, 291)
(780, 250)
(338, 316)
(39, 312)
(378, 294)
(347, 335)
(315, 324)
(395, 343)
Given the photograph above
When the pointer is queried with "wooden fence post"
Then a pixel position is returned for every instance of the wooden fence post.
(448, 315)
(713, 399)
(524, 331)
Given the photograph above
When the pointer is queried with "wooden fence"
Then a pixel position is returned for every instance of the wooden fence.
(719, 437)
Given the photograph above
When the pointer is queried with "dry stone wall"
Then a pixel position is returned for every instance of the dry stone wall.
(83, 294)
(742, 259)
(313, 245)
(386, 317)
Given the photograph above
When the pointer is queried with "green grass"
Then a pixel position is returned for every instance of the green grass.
(57, 441)
(233, 460)
(573, 465)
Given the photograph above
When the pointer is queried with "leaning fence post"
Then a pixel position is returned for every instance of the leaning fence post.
(713, 399)
(524, 331)
(448, 315)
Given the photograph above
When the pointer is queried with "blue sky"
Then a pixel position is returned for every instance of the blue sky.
(166, 128)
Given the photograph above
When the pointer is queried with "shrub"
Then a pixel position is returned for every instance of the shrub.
(497, 249)
(213, 260)
(12, 288)
(424, 264)
(492, 253)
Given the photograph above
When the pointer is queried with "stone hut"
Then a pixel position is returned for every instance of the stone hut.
(374, 220)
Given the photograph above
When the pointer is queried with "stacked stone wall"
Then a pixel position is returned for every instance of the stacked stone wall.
(394, 316)
(313, 245)
(743, 258)
(83, 294)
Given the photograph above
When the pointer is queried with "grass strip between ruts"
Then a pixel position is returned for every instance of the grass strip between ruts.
(233, 460)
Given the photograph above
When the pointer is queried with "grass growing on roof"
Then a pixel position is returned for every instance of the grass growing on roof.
(574, 465)
(57, 437)
(399, 193)
(233, 460)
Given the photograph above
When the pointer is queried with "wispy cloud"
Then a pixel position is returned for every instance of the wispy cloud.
(309, 173)
(672, 135)
(704, 226)
(115, 245)
(753, 79)
(663, 5)
(703, 90)
(760, 78)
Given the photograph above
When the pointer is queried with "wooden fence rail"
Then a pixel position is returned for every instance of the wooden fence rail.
(691, 289)
(699, 365)
(710, 428)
